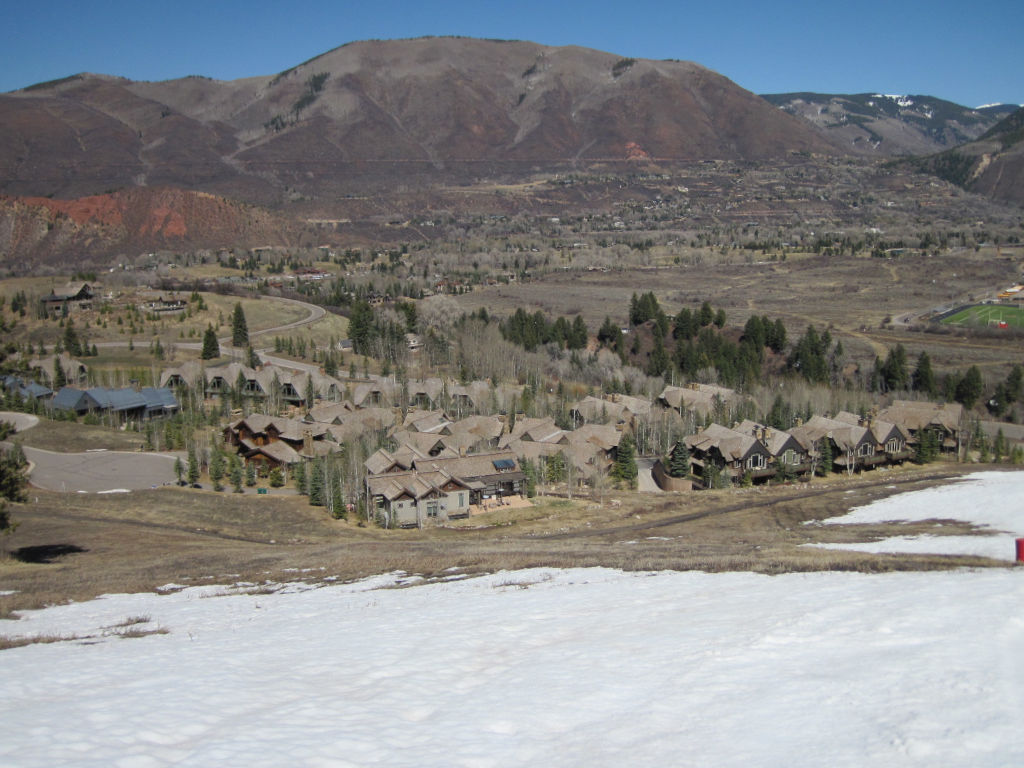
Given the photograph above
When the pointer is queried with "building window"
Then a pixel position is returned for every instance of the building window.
(893, 446)
(757, 461)
(865, 449)
(432, 509)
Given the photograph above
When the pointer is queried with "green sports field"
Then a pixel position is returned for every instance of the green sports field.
(987, 314)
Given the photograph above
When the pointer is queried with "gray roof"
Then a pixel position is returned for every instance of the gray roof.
(70, 399)
(117, 399)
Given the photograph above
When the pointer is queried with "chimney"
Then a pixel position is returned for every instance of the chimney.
(307, 442)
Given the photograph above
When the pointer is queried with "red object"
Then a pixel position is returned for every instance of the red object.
(1020, 550)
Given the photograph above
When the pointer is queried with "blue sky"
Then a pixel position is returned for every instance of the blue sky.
(970, 53)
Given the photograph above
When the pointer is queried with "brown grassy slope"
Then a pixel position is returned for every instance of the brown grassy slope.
(75, 547)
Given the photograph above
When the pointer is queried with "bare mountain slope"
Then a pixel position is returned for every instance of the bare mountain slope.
(381, 113)
(890, 126)
(72, 233)
(992, 166)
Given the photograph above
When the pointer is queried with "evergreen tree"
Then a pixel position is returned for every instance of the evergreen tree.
(894, 369)
(250, 473)
(579, 334)
(923, 378)
(211, 347)
(970, 387)
(299, 476)
(179, 469)
(193, 465)
(216, 468)
(317, 484)
(59, 379)
(679, 461)
(706, 315)
(276, 478)
(361, 327)
(240, 329)
(13, 482)
(609, 333)
(624, 471)
(825, 454)
(659, 362)
(235, 473)
(927, 449)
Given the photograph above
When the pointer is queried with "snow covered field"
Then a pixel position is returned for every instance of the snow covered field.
(587, 667)
(993, 500)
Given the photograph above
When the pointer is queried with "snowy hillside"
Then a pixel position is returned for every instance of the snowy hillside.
(587, 667)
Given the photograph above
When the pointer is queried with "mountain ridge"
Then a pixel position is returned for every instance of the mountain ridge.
(453, 109)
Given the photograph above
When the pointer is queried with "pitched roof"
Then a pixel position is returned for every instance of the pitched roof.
(474, 467)
(117, 399)
(917, 415)
(732, 445)
(696, 397)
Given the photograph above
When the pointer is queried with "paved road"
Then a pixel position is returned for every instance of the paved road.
(99, 471)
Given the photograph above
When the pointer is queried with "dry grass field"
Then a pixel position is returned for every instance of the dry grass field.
(858, 297)
(74, 547)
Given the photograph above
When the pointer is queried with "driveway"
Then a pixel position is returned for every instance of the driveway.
(644, 477)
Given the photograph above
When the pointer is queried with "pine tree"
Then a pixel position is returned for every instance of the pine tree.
(317, 484)
(276, 478)
(826, 457)
(59, 379)
(211, 347)
(179, 469)
(970, 387)
(625, 470)
(239, 328)
(250, 473)
(193, 465)
(679, 461)
(216, 468)
(13, 481)
(299, 476)
(923, 378)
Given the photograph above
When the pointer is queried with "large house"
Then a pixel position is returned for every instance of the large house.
(699, 401)
(947, 420)
(270, 442)
(125, 404)
(413, 489)
(730, 453)
(855, 443)
(71, 296)
(292, 387)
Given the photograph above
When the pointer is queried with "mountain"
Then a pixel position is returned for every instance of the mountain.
(993, 165)
(890, 125)
(379, 114)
